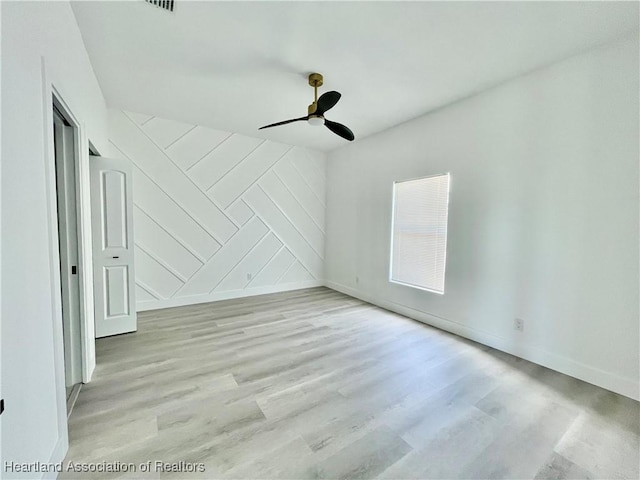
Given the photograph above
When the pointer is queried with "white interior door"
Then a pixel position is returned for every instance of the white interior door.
(112, 228)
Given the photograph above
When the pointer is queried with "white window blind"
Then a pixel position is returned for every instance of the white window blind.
(419, 233)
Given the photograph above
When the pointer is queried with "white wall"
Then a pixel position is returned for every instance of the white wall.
(213, 207)
(543, 221)
(36, 34)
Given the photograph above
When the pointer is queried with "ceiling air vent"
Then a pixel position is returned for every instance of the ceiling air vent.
(164, 4)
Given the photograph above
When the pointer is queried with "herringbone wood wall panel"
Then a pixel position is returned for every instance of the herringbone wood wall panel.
(219, 215)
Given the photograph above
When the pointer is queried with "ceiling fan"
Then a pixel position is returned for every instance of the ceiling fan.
(318, 108)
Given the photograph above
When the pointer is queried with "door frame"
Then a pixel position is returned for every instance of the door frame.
(85, 248)
(51, 96)
(68, 245)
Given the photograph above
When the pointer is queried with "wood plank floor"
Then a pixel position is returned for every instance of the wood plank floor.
(316, 384)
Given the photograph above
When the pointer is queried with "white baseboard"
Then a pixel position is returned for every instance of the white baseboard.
(624, 386)
(217, 296)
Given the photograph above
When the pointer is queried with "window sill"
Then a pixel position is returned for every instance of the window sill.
(417, 287)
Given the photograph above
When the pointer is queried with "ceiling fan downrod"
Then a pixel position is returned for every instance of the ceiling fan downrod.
(315, 80)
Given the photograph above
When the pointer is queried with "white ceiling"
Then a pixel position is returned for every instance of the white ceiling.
(236, 66)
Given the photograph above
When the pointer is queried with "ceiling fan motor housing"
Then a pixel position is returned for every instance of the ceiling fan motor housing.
(312, 108)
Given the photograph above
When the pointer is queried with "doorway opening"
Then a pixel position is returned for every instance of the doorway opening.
(65, 141)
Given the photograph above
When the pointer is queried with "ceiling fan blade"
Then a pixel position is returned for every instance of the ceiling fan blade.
(326, 102)
(339, 129)
(285, 122)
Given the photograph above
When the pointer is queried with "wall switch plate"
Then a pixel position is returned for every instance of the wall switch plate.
(249, 276)
(518, 324)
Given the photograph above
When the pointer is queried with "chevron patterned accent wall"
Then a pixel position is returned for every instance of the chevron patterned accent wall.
(219, 215)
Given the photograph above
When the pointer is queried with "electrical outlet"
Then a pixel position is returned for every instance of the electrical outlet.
(518, 324)
(249, 276)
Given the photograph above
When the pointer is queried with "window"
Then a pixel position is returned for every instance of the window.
(419, 232)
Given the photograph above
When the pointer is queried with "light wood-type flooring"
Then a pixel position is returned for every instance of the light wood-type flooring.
(316, 384)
